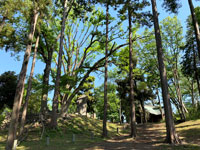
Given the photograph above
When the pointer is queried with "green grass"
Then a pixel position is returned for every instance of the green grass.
(86, 130)
(179, 147)
(189, 132)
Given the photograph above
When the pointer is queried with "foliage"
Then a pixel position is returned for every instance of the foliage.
(35, 97)
(141, 93)
(171, 5)
(113, 102)
(8, 83)
(190, 48)
(193, 113)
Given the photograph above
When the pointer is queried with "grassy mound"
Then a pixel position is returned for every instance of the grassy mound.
(79, 128)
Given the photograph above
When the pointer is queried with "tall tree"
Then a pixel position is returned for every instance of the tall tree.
(57, 82)
(46, 49)
(172, 136)
(172, 43)
(24, 112)
(196, 26)
(133, 120)
(106, 75)
(190, 58)
(20, 86)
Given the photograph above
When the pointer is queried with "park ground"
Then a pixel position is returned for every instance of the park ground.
(87, 136)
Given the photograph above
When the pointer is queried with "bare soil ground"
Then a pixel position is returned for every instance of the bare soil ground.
(150, 137)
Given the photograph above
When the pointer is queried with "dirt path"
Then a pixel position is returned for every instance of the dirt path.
(150, 136)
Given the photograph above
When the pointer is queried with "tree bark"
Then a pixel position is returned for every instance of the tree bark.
(160, 104)
(120, 112)
(104, 134)
(196, 26)
(20, 87)
(45, 82)
(179, 96)
(45, 85)
(23, 119)
(172, 137)
(192, 93)
(57, 83)
(143, 111)
(133, 119)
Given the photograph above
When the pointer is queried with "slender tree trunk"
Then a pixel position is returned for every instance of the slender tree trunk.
(120, 112)
(23, 119)
(196, 26)
(192, 93)
(143, 111)
(45, 83)
(175, 101)
(104, 134)
(20, 87)
(172, 137)
(57, 83)
(179, 96)
(133, 119)
(160, 104)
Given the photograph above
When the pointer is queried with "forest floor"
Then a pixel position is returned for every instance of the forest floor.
(151, 137)
(87, 132)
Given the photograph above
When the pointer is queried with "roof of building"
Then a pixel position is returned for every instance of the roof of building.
(153, 109)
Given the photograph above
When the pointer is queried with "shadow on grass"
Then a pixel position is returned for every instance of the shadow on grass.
(186, 126)
(191, 135)
(126, 143)
(56, 142)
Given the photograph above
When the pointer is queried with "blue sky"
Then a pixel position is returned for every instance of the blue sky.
(8, 63)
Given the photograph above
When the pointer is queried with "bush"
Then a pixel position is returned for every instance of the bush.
(3, 114)
(193, 113)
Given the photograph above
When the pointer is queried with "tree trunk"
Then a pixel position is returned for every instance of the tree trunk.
(175, 101)
(196, 26)
(160, 104)
(45, 85)
(20, 87)
(179, 96)
(45, 82)
(143, 111)
(23, 119)
(104, 134)
(57, 83)
(120, 112)
(192, 93)
(133, 119)
(172, 137)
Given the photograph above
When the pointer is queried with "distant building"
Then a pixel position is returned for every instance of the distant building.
(153, 113)
(82, 105)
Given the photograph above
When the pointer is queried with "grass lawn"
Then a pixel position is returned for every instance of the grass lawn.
(189, 133)
(86, 131)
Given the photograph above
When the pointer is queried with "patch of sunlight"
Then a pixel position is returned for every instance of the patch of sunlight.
(22, 148)
(193, 124)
